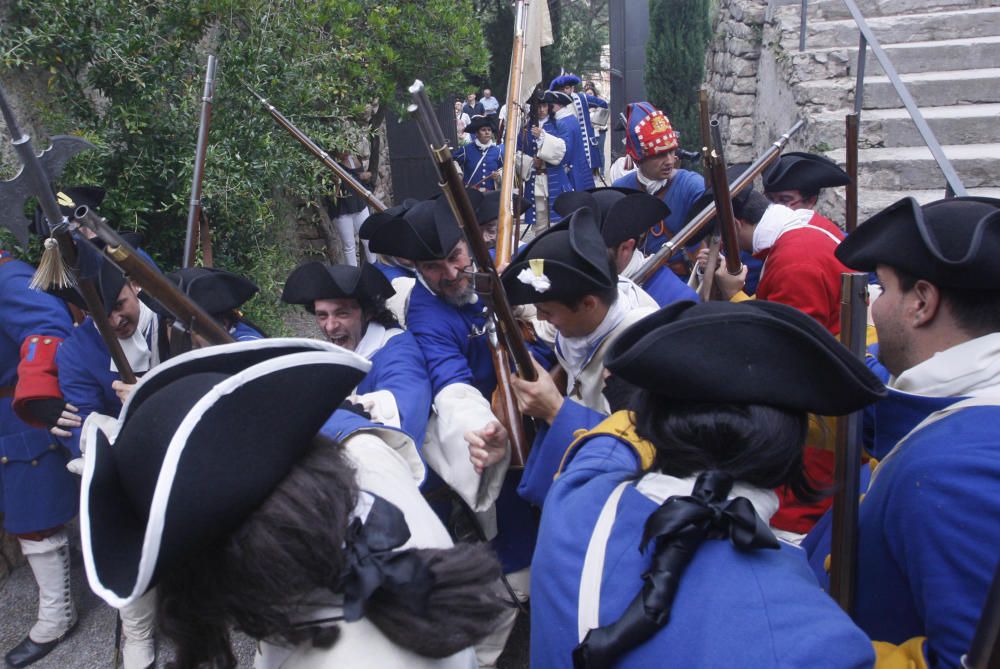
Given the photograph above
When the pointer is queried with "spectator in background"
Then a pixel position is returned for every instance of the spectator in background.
(348, 210)
(461, 121)
(490, 104)
(473, 108)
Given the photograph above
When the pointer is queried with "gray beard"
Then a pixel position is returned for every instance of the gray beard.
(468, 297)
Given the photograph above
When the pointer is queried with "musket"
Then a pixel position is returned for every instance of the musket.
(716, 163)
(187, 313)
(851, 218)
(505, 220)
(695, 225)
(984, 651)
(62, 260)
(374, 203)
(194, 221)
(705, 120)
(506, 334)
(844, 538)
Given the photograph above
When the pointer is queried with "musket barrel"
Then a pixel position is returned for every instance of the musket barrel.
(314, 148)
(851, 218)
(695, 225)
(122, 254)
(194, 207)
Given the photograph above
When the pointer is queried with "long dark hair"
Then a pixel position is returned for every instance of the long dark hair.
(760, 445)
(261, 576)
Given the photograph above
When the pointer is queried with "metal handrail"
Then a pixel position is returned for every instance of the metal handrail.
(867, 39)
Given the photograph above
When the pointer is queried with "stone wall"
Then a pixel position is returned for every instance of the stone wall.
(752, 70)
(732, 66)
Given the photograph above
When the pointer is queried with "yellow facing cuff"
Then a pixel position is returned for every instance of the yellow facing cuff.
(907, 655)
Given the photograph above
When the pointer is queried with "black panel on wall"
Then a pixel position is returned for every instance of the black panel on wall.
(413, 174)
(629, 32)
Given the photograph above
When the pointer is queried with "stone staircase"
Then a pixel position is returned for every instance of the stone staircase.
(947, 52)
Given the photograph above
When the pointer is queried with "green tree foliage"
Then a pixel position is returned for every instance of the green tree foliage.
(579, 30)
(679, 33)
(128, 76)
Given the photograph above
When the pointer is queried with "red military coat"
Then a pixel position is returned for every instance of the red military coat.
(801, 271)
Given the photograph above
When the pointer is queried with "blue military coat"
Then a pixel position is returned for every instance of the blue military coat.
(36, 491)
(570, 131)
(685, 188)
(555, 175)
(756, 609)
(455, 354)
(477, 164)
(399, 367)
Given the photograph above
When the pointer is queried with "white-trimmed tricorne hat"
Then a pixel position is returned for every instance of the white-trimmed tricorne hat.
(202, 441)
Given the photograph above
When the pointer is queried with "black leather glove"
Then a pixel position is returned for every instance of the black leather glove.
(46, 411)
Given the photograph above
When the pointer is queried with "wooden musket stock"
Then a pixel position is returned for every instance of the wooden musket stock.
(716, 163)
(844, 539)
(691, 230)
(122, 254)
(324, 157)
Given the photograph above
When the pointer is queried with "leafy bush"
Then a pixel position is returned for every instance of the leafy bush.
(679, 33)
(129, 75)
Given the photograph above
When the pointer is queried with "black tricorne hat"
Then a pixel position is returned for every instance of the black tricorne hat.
(557, 97)
(427, 231)
(624, 213)
(171, 478)
(953, 243)
(804, 172)
(378, 218)
(489, 209)
(214, 290)
(68, 200)
(322, 281)
(480, 121)
(566, 262)
(762, 353)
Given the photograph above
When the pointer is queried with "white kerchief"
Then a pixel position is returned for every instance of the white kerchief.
(776, 221)
(658, 487)
(969, 369)
(652, 186)
(575, 352)
(141, 348)
(482, 146)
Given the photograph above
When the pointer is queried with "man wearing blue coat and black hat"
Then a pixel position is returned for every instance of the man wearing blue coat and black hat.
(349, 304)
(928, 536)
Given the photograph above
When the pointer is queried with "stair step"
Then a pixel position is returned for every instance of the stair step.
(872, 201)
(898, 29)
(913, 168)
(836, 9)
(956, 124)
(929, 89)
(932, 89)
(933, 56)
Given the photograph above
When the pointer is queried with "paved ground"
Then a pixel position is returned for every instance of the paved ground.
(91, 645)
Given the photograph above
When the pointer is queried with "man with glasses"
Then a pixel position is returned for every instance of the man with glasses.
(796, 179)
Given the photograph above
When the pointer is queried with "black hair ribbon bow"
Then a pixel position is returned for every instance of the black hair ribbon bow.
(373, 563)
(678, 527)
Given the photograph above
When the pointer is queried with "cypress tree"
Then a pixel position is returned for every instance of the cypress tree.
(679, 33)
